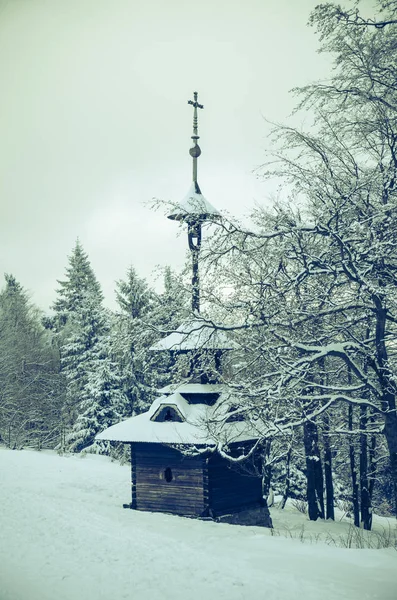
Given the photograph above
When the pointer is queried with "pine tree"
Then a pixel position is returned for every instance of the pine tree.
(30, 391)
(171, 309)
(133, 339)
(94, 396)
(133, 295)
(172, 305)
(83, 331)
(103, 401)
(143, 319)
(80, 280)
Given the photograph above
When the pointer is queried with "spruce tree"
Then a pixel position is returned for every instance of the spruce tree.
(133, 339)
(170, 309)
(82, 329)
(94, 396)
(172, 305)
(80, 280)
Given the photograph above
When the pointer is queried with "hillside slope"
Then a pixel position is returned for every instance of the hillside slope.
(65, 536)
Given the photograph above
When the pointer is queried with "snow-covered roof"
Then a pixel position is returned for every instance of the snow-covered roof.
(194, 334)
(203, 424)
(193, 388)
(175, 400)
(194, 205)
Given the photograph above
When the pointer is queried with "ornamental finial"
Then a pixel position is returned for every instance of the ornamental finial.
(195, 151)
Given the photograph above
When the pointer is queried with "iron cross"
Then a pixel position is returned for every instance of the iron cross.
(194, 102)
(195, 105)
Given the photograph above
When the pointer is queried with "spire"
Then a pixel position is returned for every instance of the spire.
(194, 208)
(195, 151)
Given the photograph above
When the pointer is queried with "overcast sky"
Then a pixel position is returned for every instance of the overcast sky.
(94, 122)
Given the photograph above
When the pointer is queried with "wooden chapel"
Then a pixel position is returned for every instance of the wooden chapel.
(175, 467)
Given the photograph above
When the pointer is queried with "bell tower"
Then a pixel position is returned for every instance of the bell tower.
(194, 338)
(175, 467)
(194, 210)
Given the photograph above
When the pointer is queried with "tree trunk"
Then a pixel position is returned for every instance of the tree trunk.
(366, 511)
(389, 388)
(314, 472)
(391, 439)
(329, 486)
(266, 470)
(287, 480)
(355, 490)
(372, 465)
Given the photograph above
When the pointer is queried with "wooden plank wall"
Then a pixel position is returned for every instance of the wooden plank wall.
(230, 488)
(133, 477)
(184, 495)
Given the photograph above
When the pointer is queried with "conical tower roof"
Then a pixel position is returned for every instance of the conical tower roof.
(194, 207)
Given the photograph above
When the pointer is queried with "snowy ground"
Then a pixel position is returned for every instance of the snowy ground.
(65, 536)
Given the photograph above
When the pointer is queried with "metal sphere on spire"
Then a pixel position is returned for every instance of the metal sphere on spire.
(196, 150)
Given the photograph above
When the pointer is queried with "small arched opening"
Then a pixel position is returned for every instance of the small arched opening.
(168, 476)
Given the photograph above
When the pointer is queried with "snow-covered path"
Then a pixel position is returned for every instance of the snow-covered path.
(64, 536)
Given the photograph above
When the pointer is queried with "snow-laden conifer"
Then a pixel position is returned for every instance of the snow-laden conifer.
(133, 336)
(80, 279)
(31, 395)
(94, 396)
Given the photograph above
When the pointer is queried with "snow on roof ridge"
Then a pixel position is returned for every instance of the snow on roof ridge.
(192, 388)
(194, 334)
